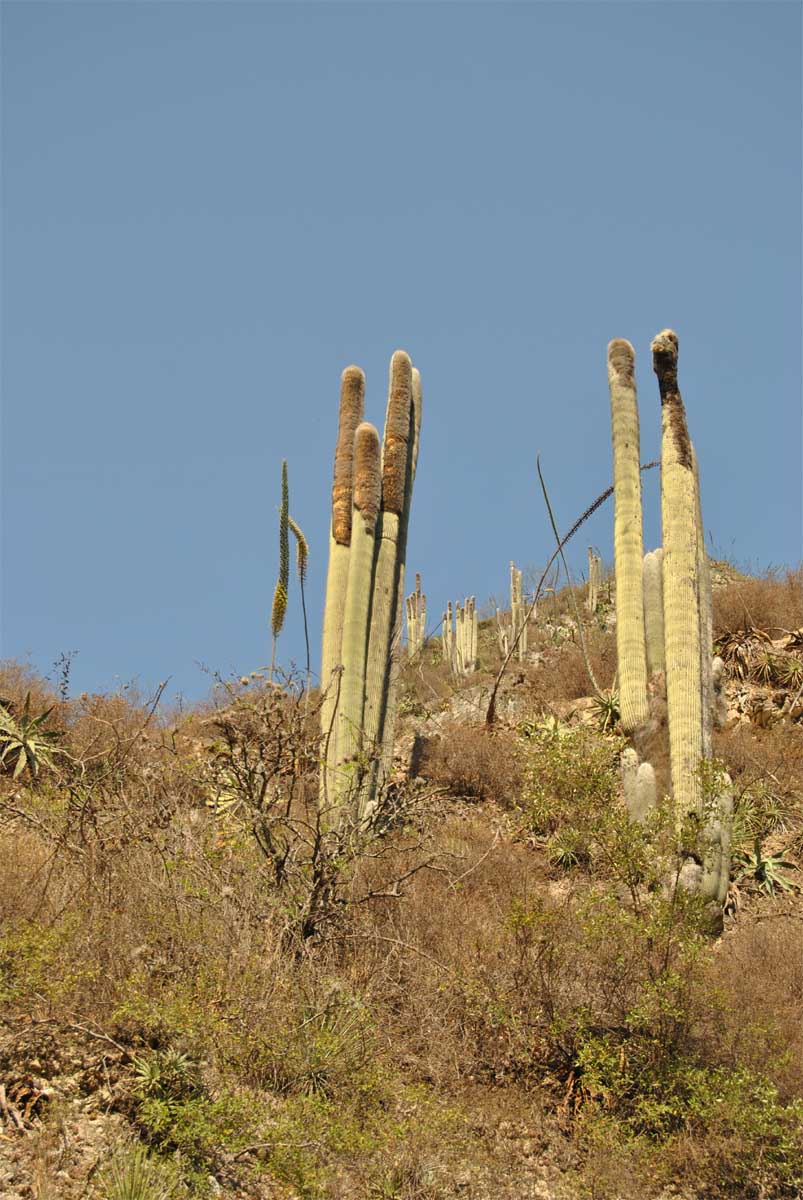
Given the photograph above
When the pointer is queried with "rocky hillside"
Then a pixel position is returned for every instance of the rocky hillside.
(499, 990)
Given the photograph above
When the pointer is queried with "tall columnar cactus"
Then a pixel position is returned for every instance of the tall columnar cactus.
(681, 581)
(395, 454)
(357, 611)
(416, 620)
(352, 401)
(364, 598)
(706, 621)
(628, 543)
(654, 610)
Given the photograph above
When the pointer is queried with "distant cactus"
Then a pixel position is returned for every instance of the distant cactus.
(628, 546)
(416, 605)
(517, 628)
(594, 580)
(459, 639)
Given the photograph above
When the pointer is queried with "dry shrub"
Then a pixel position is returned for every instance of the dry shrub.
(772, 602)
(760, 971)
(563, 675)
(474, 763)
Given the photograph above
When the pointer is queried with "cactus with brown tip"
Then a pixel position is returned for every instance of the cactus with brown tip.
(628, 542)
(362, 617)
(687, 634)
(367, 494)
(352, 402)
(681, 584)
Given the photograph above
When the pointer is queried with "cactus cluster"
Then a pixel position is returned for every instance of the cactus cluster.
(459, 637)
(664, 621)
(416, 606)
(371, 496)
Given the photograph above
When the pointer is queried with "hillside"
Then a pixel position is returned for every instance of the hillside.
(499, 991)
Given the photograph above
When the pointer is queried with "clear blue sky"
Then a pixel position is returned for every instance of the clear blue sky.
(209, 209)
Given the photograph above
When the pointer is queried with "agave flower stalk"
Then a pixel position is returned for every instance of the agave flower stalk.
(279, 607)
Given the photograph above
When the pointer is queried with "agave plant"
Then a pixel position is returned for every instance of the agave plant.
(133, 1174)
(790, 670)
(764, 667)
(25, 742)
(765, 872)
(606, 710)
(737, 648)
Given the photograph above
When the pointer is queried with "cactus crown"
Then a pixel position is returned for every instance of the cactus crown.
(367, 478)
(352, 402)
(397, 433)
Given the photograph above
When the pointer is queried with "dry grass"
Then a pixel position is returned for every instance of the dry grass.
(773, 602)
(474, 763)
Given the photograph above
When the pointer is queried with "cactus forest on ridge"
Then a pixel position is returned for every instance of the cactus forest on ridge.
(663, 610)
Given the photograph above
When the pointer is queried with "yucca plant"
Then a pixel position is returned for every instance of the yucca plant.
(790, 671)
(133, 1174)
(606, 710)
(765, 872)
(25, 743)
(764, 667)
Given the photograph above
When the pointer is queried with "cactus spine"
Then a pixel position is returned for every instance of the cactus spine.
(628, 543)
(416, 620)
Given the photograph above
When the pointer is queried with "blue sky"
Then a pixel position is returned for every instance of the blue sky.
(208, 210)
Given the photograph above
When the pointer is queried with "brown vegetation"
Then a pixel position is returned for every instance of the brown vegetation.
(495, 992)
